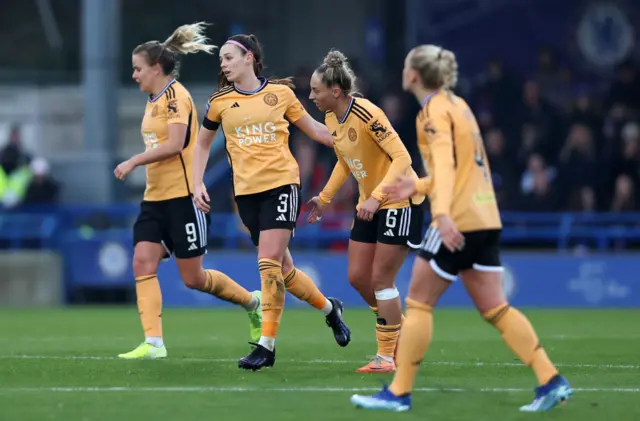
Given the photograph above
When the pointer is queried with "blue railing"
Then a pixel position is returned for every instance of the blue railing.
(20, 229)
(45, 226)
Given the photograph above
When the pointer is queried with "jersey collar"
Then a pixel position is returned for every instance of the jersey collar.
(263, 83)
(155, 98)
(346, 114)
(428, 98)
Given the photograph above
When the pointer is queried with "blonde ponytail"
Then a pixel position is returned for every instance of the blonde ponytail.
(187, 39)
(437, 66)
(190, 39)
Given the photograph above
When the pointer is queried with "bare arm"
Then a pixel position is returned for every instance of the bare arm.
(208, 130)
(203, 146)
(315, 130)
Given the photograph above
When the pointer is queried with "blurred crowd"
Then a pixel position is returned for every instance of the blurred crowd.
(24, 180)
(555, 141)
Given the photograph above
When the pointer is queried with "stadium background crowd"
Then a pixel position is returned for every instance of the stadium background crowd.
(559, 137)
(553, 143)
(559, 108)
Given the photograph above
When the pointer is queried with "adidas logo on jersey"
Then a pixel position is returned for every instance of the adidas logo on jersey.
(193, 247)
(235, 105)
(334, 134)
(281, 218)
(389, 233)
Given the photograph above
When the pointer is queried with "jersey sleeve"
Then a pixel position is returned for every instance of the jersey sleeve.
(178, 110)
(422, 130)
(382, 132)
(295, 111)
(400, 164)
(380, 129)
(423, 186)
(338, 177)
(212, 118)
(439, 138)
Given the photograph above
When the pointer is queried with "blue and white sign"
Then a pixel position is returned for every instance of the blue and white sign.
(537, 279)
(605, 35)
(114, 259)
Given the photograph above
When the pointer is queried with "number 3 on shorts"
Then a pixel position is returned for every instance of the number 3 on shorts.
(190, 229)
(283, 206)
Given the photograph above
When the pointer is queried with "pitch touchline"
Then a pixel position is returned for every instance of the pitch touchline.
(287, 389)
(318, 361)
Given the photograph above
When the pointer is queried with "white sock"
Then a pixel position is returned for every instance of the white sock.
(387, 359)
(328, 308)
(267, 342)
(155, 341)
(253, 304)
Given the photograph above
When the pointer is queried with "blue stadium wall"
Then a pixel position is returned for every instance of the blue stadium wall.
(535, 279)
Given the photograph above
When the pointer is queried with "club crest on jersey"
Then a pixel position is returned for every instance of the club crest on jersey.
(353, 135)
(154, 111)
(270, 99)
(379, 130)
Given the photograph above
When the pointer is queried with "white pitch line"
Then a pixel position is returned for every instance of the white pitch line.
(490, 364)
(288, 389)
(318, 361)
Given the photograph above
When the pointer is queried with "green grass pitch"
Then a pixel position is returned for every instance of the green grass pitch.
(60, 365)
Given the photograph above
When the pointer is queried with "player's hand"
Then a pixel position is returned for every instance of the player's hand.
(402, 189)
(123, 169)
(368, 209)
(452, 239)
(201, 198)
(317, 207)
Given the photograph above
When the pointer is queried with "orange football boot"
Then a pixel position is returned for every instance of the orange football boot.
(378, 365)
